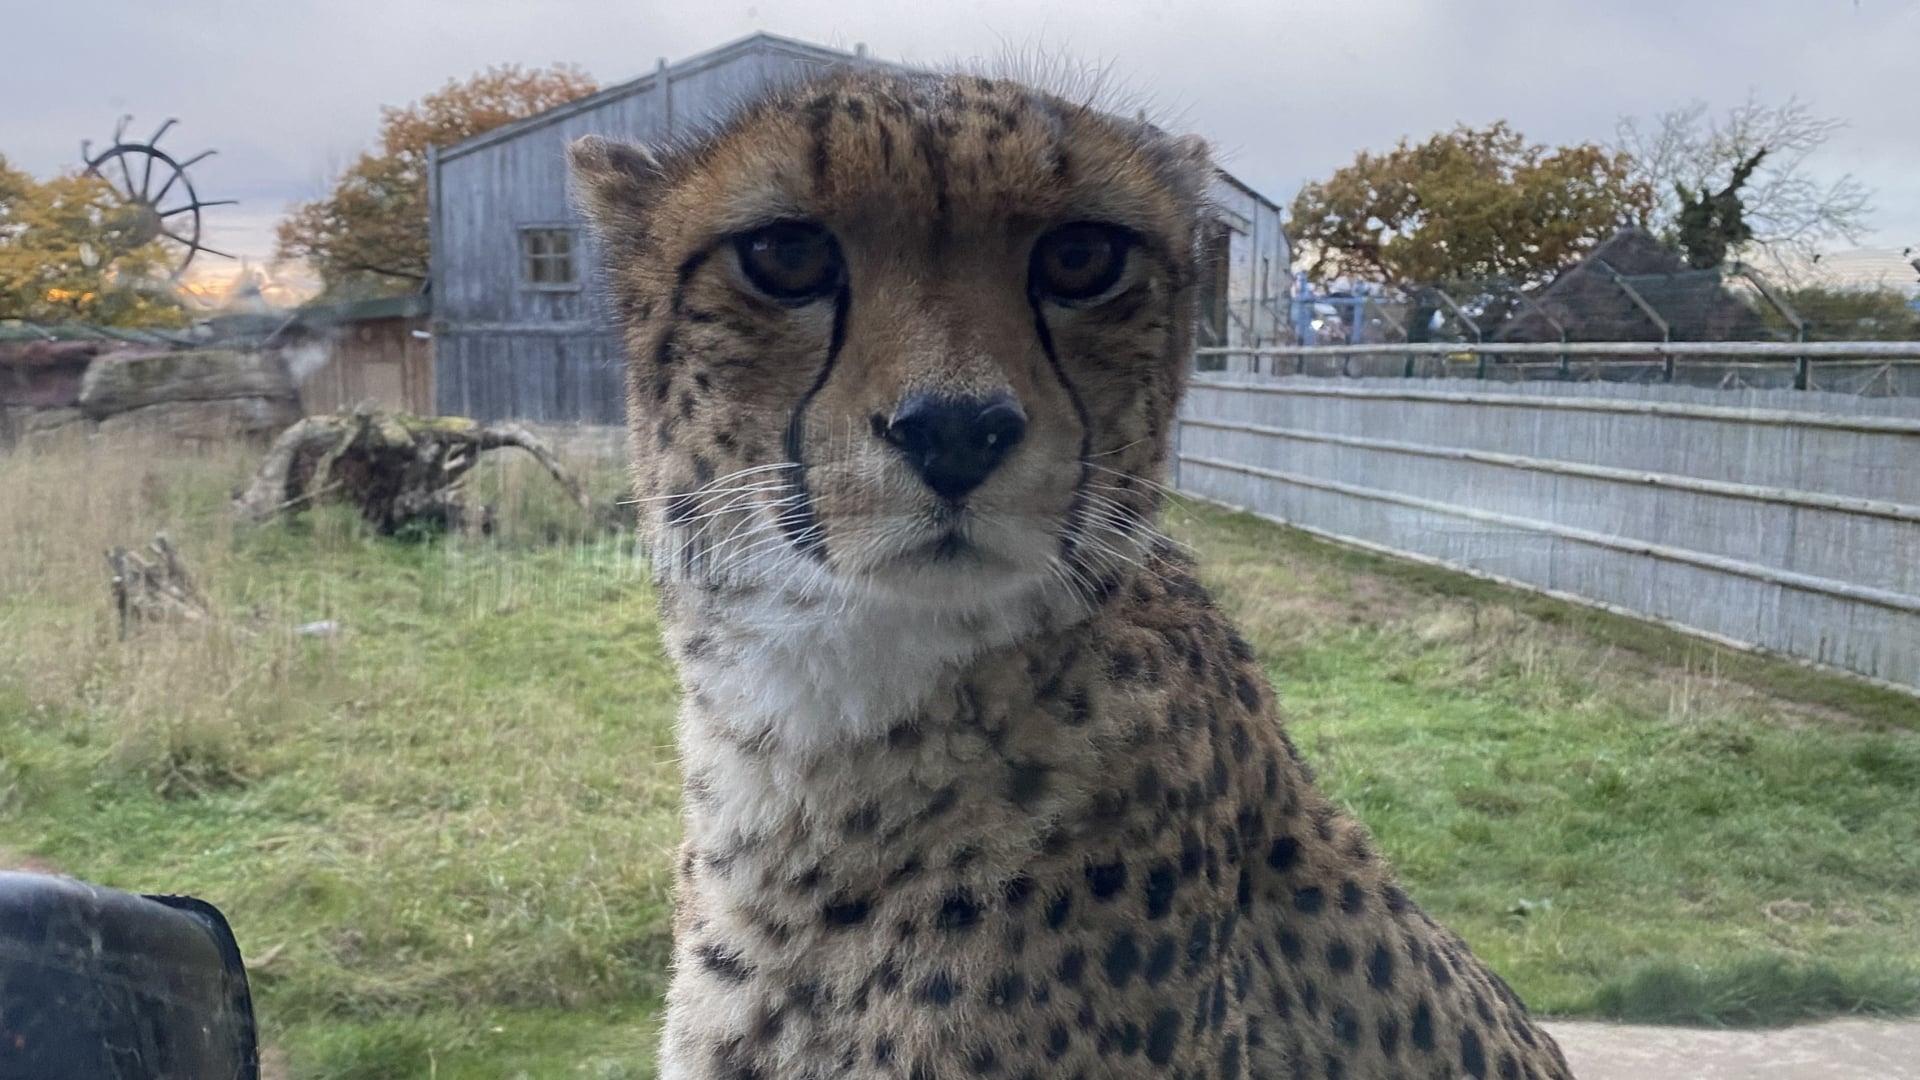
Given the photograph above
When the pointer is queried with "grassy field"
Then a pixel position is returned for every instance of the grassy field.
(443, 833)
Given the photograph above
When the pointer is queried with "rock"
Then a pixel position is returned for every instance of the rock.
(22, 425)
(116, 384)
(207, 421)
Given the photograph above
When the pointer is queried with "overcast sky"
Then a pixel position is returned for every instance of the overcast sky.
(290, 91)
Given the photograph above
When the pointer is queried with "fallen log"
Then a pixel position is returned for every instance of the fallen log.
(396, 469)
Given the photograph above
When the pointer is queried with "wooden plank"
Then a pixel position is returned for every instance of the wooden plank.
(1792, 531)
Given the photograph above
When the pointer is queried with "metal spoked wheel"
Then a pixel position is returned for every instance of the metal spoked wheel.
(157, 193)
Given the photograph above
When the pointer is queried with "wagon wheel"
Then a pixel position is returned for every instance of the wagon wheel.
(158, 194)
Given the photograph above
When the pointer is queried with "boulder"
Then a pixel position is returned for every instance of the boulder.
(116, 384)
(251, 418)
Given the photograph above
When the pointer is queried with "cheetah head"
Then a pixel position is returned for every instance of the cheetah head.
(916, 335)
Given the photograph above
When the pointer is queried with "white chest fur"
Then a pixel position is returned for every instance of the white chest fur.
(801, 673)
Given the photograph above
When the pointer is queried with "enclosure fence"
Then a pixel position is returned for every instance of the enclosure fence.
(1630, 289)
(1863, 368)
(1787, 520)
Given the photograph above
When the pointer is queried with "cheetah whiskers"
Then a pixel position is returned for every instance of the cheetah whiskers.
(767, 534)
(1125, 540)
(727, 547)
(694, 508)
(713, 484)
(1143, 481)
(1139, 522)
(697, 537)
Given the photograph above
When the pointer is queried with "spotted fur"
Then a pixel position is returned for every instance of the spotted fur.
(991, 790)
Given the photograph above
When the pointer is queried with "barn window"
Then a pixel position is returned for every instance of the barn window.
(546, 257)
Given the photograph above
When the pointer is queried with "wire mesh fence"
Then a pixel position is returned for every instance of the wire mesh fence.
(1629, 290)
(1618, 293)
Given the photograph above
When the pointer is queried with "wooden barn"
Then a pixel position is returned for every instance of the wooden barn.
(522, 330)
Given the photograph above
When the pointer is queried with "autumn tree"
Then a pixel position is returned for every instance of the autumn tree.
(1466, 204)
(68, 252)
(370, 233)
(1790, 209)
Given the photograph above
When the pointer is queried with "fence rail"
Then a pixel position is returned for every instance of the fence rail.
(1866, 368)
(1753, 350)
(1782, 520)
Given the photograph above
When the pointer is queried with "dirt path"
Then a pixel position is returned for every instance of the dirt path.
(1836, 1050)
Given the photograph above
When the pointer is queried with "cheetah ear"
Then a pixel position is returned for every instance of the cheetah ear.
(613, 181)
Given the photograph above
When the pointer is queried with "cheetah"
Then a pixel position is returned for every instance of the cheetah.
(978, 780)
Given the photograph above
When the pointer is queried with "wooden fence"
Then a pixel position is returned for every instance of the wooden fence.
(1779, 519)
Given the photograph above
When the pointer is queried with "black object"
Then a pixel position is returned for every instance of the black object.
(106, 985)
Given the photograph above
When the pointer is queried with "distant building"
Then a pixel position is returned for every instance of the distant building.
(1631, 287)
(1891, 269)
(521, 329)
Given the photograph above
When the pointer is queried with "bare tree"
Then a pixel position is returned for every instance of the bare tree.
(1791, 210)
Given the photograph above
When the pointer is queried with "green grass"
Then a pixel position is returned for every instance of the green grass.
(1624, 821)
(444, 835)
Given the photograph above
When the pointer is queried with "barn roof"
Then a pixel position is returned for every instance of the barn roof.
(759, 42)
(732, 50)
(411, 305)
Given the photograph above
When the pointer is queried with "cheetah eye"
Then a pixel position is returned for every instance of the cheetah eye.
(790, 260)
(1080, 261)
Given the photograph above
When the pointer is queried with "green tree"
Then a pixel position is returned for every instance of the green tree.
(1467, 203)
(1859, 314)
(67, 254)
(369, 235)
(1712, 224)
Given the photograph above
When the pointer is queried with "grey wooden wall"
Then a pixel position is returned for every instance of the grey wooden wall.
(1781, 519)
(507, 348)
(562, 376)
(488, 188)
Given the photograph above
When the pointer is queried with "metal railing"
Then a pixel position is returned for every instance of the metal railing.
(1487, 355)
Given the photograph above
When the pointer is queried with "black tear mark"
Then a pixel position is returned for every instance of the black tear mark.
(800, 522)
(1077, 507)
(663, 353)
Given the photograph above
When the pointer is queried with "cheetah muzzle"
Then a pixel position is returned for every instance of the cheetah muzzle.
(978, 781)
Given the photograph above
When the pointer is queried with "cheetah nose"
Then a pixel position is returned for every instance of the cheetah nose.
(954, 443)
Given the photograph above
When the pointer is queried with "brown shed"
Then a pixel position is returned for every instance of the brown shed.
(366, 352)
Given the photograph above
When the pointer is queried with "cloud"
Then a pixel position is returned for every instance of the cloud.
(1287, 90)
